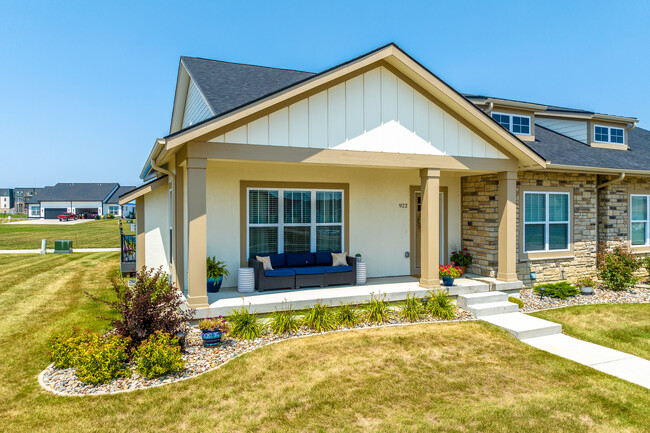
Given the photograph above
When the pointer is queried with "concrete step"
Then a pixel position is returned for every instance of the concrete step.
(523, 326)
(471, 299)
(491, 308)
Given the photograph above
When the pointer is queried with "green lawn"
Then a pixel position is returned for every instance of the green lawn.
(459, 377)
(624, 327)
(93, 234)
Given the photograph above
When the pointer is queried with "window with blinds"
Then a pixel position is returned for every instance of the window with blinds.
(640, 219)
(294, 220)
(546, 221)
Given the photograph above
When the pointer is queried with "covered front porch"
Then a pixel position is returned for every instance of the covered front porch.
(391, 289)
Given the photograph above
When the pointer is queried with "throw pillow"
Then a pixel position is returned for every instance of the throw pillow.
(339, 259)
(266, 261)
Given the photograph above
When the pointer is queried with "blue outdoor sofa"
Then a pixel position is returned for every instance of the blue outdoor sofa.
(296, 270)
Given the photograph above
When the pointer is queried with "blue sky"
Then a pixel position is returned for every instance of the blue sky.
(86, 87)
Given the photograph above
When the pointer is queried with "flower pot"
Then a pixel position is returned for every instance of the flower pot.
(463, 269)
(211, 338)
(214, 284)
(586, 290)
(447, 281)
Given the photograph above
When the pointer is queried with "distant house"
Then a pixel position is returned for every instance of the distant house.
(6, 200)
(21, 196)
(78, 198)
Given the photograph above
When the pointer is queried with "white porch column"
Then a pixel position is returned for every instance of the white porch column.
(197, 292)
(507, 268)
(430, 228)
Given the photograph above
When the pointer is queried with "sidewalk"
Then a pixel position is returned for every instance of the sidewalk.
(74, 250)
(620, 364)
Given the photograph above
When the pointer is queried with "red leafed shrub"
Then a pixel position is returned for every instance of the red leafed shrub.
(151, 304)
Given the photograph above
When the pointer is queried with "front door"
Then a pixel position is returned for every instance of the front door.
(416, 204)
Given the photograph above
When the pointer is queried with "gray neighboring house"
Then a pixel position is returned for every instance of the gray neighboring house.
(21, 197)
(78, 198)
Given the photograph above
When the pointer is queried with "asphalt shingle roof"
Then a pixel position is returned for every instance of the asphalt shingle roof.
(228, 85)
(560, 149)
(115, 198)
(74, 192)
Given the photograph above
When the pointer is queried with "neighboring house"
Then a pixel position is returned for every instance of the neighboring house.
(112, 204)
(78, 198)
(21, 196)
(6, 200)
(379, 156)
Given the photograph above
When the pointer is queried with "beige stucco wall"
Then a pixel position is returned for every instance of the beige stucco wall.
(157, 228)
(379, 227)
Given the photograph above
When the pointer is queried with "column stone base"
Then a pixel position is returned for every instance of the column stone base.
(430, 284)
(502, 276)
(197, 301)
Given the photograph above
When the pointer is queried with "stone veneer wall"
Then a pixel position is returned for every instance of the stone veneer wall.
(584, 200)
(480, 222)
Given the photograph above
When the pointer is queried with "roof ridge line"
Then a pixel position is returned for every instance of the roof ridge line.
(247, 64)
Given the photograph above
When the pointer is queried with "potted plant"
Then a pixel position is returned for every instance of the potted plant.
(461, 258)
(215, 271)
(448, 273)
(212, 330)
(586, 285)
(359, 258)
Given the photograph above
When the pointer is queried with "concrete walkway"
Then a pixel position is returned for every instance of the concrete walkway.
(74, 250)
(494, 308)
(620, 364)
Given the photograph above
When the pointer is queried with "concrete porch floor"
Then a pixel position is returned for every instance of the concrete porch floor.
(393, 288)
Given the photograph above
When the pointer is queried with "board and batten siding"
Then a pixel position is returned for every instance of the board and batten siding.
(196, 109)
(575, 129)
(376, 112)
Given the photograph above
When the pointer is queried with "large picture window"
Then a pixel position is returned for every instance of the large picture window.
(294, 220)
(546, 221)
(640, 219)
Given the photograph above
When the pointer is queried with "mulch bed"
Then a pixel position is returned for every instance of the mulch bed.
(198, 360)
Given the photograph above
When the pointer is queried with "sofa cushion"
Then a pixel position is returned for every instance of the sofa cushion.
(310, 270)
(323, 258)
(277, 260)
(299, 259)
(335, 269)
(283, 272)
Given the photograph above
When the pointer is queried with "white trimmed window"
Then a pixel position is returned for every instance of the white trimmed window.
(35, 211)
(546, 221)
(514, 123)
(115, 210)
(640, 219)
(608, 134)
(293, 220)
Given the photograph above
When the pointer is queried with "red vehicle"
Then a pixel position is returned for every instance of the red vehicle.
(67, 216)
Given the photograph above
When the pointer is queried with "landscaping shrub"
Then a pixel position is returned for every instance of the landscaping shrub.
(411, 309)
(516, 301)
(151, 305)
(244, 325)
(216, 324)
(160, 354)
(63, 349)
(646, 263)
(616, 268)
(440, 305)
(319, 318)
(101, 359)
(586, 282)
(347, 315)
(284, 322)
(561, 290)
(377, 310)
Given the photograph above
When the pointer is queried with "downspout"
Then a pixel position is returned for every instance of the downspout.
(604, 185)
(489, 108)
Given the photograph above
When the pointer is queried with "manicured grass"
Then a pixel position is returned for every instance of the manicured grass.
(445, 377)
(93, 234)
(624, 327)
